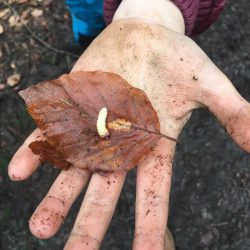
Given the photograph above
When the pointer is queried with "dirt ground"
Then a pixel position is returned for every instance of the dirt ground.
(210, 196)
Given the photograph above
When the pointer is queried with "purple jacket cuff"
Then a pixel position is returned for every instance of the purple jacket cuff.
(198, 14)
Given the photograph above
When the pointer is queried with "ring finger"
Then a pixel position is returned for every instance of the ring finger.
(96, 211)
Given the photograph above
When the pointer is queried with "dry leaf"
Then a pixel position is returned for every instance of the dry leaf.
(47, 2)
(2, 86)
(13, 80)
(25, 14)
(13, 65)
(66, 111)
(21, 1)
(4, 13)
(13, 21)
(37, 12)
(1, 29)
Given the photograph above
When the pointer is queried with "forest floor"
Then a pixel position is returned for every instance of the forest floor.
(210, 196)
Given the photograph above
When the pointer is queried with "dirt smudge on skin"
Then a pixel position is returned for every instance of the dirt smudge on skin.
(195, 78)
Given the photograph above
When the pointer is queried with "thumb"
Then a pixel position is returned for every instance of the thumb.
(222, 99)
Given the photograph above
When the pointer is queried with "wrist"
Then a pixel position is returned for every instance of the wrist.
(162, 12)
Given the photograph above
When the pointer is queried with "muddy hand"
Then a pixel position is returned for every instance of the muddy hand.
(177, 77)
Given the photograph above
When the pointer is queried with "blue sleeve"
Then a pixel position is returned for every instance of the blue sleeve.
(87, 17)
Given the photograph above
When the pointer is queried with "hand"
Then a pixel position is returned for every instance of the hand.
(177, 78)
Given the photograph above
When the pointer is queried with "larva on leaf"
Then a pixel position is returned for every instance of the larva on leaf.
(101, 123)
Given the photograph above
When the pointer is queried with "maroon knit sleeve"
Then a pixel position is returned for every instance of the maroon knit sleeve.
(198, 14)
(109, 8)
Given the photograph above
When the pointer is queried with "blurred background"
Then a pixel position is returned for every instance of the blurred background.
(210, 197)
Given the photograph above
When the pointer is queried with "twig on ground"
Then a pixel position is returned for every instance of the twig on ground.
(41, 41)
(219, 224)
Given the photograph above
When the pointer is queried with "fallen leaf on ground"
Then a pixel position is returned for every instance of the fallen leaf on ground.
(1, 29)
(4, 13)
(13, 65)
(2, 86)
(37, 12)
(21, 1)
(25, 14)
(13, 21)
(13, 80)
(47, 2)
(66, 111)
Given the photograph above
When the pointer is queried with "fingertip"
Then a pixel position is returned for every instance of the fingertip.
(38, 231)
(23, 164)
(45, 223)
(12, 173)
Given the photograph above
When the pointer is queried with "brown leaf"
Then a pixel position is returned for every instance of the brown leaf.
(25, 14)
(47, 2)
(66, 110)
(13, 65)
(48, 153)
(4, 13)
(21, 1)
(2, 86)
(37, 12)
(13, 80)
(13, 21)
(1, 28)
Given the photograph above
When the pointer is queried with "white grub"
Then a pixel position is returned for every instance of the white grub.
(101, 123)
